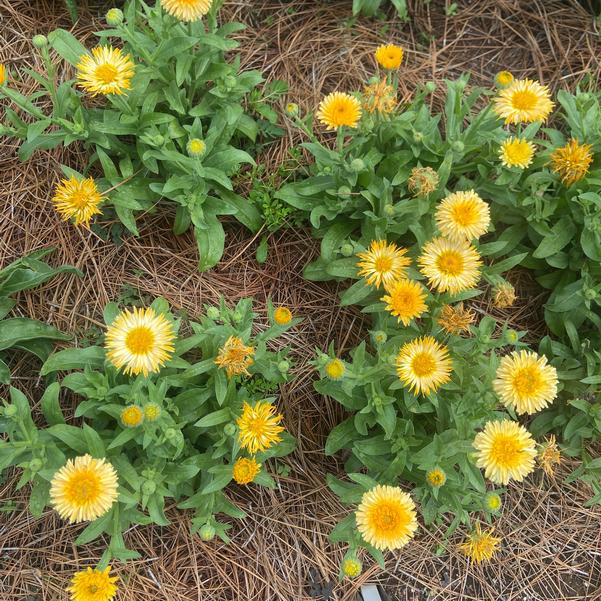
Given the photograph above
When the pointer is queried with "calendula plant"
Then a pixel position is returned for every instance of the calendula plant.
(165, 418)
(166, 117)
(23, 333)
(369, 8)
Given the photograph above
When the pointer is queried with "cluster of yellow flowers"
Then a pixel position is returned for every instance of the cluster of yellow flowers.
(527, 101)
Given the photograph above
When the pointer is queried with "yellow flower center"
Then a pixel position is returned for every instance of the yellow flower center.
(386, 517)
(140, 340)
(524, 100)
(527, 381)
(464, 215)
(423, 364)
(106, 73)
(506, 451)
(335, 369)
(79, 199)
(450, 263)
(382, 264)
(83, 489)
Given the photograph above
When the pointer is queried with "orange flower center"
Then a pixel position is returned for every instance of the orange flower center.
(524, 100)
(83, 489)
(423, 364)
(506, 451)
(140, 340)
(386, 517)
(527, 381)
(382, 264)
(450, 263)
(106, 73)
(464, 215)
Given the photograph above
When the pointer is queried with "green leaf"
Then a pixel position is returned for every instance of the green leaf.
(18, 329)
(74, 358)
(94, 442)
(561, 234)
(50, 405)
(67, 45)
(73, 437)
(211, 242)
(340, 436)
(217, 417)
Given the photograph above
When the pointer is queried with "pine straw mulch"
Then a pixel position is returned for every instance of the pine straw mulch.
(552, 547)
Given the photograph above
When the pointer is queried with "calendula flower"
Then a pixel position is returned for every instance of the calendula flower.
(78, 200)
(571, 162)
(152, 412)
(3, 76)
(525, 382)
(455, 319)
(383, 263)
(523, 101)
(516, 152)
(282, 316)
(335, 369)
(504, 296)
(463, 216)
(405, 300)
(549, 455)
(379, 97)
(246, 470)
(187, 10)
(93, 585)
(504, 78)
(450, 266)
(422, 181)
(423, 365)
(139, 341)
(258, 427)
(436, 477)
(338, 109)
(386, 517)
(196, 147)
(389, 56)
(106, 71)
(505, 450)
(492, 502)
(235, 357)
(480, 545)
(351, 567)
(83, 489)
(132, 416)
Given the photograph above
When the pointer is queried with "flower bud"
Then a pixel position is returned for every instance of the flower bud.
(292, 109)
(170, 433)
(344, 191)
(357, 165)
(351, 566)
(590, 294)
(389, 211)
(430, 87)
(39, 41)
(207, 532)
(458, 146)
(229, 429)
(114, 17)
(196, 147)
(148, 487)
(35, 465)
(347, 249)
(213, 313)
(511, 336)
(380, 337)
(283, 366)
(237, 316)
(10, 411)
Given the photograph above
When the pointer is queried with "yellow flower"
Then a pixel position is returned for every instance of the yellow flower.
(292, 109)
(196, 147)
(456, 319)
(338, 109)
(523, 101)
(132, 416)
(504, 78)
(379, 97)
(259, 427)
(504, 296)
(140, 341)
(246, 470)
(463, 216)
(383, 263)
(525, 382)
(335, 369)
(3, 76)
(450, 266)
(351, 567)
(83, 489)
(235, 357)
(571, 162)
(405, 300)
(422, 181)
(492, 501)
(93, 585)
(505, 450)
(423, 365)
(389, 56)
(436, 477)
(549, 455)
(187, 10)
(480, 546)
(77, 199)
(516, 152)
(282, 316)
(152, 412)
(386, 517)
(106, 71)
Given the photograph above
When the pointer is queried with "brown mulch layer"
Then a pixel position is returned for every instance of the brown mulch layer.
(552, 544)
